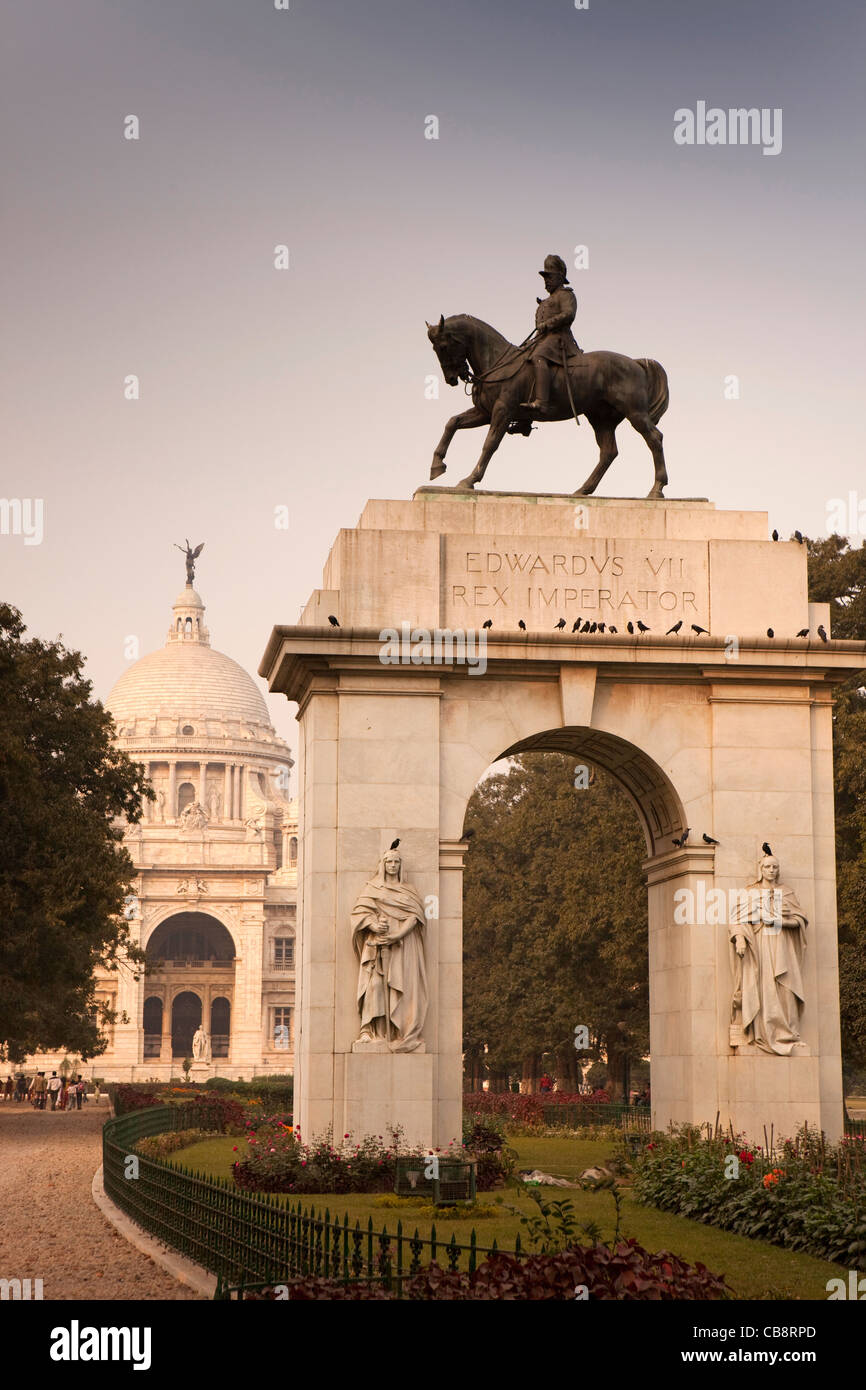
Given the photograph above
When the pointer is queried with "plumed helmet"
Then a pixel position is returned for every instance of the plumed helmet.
(556, 264)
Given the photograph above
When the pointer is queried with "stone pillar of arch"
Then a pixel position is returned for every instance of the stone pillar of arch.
(703, 733)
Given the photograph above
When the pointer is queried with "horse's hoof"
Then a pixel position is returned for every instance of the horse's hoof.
(465, 485)
(581, 492)
(436, 470)
(655, 492)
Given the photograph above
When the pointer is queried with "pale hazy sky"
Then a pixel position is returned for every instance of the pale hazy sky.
(305, 387)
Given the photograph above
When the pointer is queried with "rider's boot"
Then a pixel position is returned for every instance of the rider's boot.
(540, 404)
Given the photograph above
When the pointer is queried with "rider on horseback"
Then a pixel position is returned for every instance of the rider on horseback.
(553, 319)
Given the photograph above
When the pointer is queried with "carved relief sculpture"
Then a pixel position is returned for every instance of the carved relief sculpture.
(193, 817)
(388, 933)
(768, 939)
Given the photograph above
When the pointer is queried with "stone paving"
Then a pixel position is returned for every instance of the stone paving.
(50, 1228)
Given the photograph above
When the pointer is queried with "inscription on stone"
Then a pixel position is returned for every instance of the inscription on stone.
(548, 580)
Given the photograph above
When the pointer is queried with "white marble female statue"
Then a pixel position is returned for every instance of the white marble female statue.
(200, 1044)
(768, 935)
(388, 925)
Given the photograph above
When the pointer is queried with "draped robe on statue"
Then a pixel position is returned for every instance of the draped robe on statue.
(392, 977)
(769, 975)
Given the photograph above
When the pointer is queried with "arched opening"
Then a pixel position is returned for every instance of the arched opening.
(653, 794)
(152, 1026)
(220, 1026)
(185, 796)
(190, 939)
(558, 957)
(185, 1019)
(187, 627)
(293, 849)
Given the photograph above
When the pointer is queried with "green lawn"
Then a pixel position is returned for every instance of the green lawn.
(753, 1268)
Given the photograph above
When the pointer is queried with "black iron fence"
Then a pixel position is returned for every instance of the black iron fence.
(256, 1241)
(578, 1115)
(855, 1126)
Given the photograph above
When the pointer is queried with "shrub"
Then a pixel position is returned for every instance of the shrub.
(217, 1112)
(128, 1098)
(527, 1112)
(277, 1161)
(161, 1145)
(627, 1273)
(274, 1091)
(813, 1201)
(484, 1139)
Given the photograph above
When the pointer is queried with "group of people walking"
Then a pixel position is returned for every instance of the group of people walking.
(54, 1093)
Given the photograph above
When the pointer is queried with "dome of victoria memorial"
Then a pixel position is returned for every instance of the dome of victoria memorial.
(214, 901)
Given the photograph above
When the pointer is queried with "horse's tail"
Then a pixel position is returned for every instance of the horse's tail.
(659, 397)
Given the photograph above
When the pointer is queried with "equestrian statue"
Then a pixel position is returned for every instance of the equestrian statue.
(547, 377)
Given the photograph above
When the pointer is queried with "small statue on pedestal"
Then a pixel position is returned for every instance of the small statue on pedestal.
(388, 927)
(768, 937)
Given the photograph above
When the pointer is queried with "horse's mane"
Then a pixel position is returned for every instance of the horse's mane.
(469, 320)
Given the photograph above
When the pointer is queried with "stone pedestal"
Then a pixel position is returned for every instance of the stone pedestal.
(384, 1089)
(727, 733)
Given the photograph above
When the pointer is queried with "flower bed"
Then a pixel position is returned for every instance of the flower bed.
(809, 1195)
(276, 1160)
(526, 1111)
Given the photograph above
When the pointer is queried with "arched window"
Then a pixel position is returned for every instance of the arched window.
(187, 628)
(187, 729)
(293, 850)
(152, 1026)
(185, 796)
(220, 1027)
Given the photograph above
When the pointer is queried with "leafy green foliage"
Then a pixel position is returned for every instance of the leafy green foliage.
(64, 873)
(811, 1197)
(837, 575)
(485, 1140)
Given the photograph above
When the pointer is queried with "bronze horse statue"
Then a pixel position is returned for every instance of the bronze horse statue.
(604, 386)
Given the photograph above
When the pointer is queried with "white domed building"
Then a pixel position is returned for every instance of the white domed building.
(214, 904)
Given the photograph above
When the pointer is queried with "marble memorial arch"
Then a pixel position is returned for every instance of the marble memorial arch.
(725, 733)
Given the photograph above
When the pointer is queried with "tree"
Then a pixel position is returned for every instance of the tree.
(837, 575)
(64, 872)
(555, 922)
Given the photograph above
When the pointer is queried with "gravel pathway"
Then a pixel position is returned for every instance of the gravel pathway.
(49, 1225)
